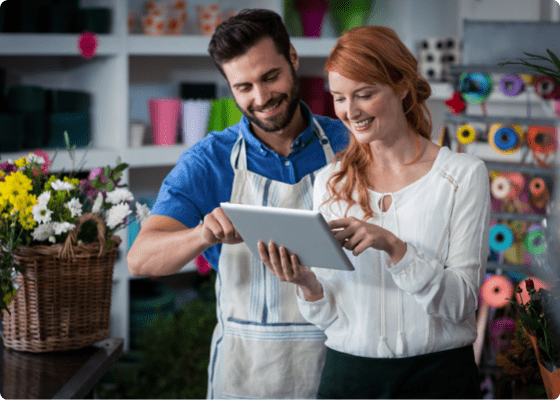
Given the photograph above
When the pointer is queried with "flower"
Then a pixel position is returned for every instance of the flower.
(117, 214)
(142, 212)
(41, 208)
(534, 317)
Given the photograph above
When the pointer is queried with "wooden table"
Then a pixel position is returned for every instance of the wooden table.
(56, 375)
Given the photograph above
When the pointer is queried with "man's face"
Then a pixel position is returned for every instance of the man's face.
(264, 86)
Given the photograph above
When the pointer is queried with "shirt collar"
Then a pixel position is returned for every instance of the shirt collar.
(301, 141)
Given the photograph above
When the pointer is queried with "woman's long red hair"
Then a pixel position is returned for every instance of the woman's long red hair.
(375, 54)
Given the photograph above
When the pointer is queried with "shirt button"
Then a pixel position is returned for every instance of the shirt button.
(287, 163)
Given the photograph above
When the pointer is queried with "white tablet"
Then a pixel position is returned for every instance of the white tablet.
(303, 232)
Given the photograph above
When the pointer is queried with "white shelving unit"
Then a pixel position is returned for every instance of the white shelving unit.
(124, 61)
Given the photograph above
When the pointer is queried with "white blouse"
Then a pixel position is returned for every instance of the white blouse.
(425, 303)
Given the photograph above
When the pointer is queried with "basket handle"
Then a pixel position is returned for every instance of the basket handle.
(67, 250)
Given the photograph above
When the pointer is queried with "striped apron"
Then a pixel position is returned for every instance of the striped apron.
(262, 347)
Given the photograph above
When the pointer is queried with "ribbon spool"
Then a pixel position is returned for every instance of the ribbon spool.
(542, 139)
(534, 242)
(511, 85)
(475, 87)
(546, 88)
(501, 187)
(539, 192)
(466, 134)
(496, 291)
(501, 238)
(505, 139)
(523, 285)
(502, 331)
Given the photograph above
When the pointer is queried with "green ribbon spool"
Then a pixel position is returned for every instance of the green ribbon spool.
(530, 245)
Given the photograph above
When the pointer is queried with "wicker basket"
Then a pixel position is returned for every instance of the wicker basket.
(64, 296)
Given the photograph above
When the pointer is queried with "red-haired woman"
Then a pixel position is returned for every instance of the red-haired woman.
(414, 220)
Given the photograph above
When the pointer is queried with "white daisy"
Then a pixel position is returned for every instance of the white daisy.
(62, 227)
(59, 185)
(43, 231)
(142, 212)
(32, 157)
(75, 207)
(52, 239)
(44, 198)
(119, 195)
(117, 214)
(41, 214)
(97, 204)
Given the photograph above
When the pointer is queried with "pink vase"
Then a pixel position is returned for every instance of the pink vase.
(313, 93)
(164, 115)
(312, 13)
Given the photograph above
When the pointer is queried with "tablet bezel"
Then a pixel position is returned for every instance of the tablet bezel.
(303, 232)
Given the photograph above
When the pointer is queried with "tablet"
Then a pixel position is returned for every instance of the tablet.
(303, 232)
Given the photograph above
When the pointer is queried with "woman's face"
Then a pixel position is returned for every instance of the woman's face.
(370, 112)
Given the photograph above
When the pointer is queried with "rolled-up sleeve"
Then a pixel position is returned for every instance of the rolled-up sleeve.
(450, 290)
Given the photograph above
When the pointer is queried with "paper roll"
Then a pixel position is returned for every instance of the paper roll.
(475, 87)
(501, 187)
(496, 291)
(547, 88)
(537, 186)
(501, 238)
(534, 242)
(511, 85)
(502, 331)
(466, 134)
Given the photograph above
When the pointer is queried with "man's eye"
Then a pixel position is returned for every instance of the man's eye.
(271, 78)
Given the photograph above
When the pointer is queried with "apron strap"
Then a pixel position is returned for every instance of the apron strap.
(238, 157)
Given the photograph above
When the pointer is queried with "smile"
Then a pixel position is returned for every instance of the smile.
(273, 109)
(364, 123)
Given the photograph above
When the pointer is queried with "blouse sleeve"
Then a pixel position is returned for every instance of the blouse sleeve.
(450, 291)
(321, 313)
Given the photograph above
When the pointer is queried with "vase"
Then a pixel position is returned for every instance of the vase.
(164, 116)
(350, 14)
(551, 379)
(196, 114)
(311, 13)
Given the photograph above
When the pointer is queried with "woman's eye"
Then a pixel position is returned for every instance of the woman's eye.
(338, 100)
(365, 96)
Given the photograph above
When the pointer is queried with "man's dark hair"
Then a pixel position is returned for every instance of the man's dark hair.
(235, 36)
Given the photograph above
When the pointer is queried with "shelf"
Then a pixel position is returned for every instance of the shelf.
(498, 119)
(525, 169)
(153, 156)
(51, 44)
(185, 45)
(313, 47)
(517, 217)
(93, 158)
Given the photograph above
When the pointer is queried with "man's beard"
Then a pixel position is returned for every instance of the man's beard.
(281, 120)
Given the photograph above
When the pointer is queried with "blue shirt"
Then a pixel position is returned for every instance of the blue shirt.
(203, 176)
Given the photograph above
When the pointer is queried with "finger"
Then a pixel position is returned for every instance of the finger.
(287, 266)
(296, 267)
(230, 234)
(263, 252)
(339, 223)
(275, 259)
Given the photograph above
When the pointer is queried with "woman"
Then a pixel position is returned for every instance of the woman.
(414, 219)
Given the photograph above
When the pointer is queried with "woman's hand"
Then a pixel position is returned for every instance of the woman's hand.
(357, 235)
(288, 269)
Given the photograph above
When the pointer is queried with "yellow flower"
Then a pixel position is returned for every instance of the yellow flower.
(15, 184)
(22, 162)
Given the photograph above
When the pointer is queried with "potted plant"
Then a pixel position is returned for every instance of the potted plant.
(57, 251)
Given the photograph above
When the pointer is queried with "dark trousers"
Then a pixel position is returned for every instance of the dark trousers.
(449, 374)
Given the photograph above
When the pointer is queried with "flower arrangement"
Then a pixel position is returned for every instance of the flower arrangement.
(38, 208)
(535, 321)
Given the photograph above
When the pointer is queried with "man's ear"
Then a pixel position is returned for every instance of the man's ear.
(294, 59)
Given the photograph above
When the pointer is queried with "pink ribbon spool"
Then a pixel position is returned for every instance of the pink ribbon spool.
(496, 291)
(502, 331)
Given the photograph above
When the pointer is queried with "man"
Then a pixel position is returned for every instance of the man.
(262, 346)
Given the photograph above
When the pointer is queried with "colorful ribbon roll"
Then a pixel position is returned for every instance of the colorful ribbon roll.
(523, 285)
(496, 291)
(547, 88)
(534, 242)
(475, 87)
(542, 139)
(511, 85)
(518, 183)
(502, 331)
(466, 134)
(501, 238)
(539, 192)
(505, 139)
(501, 187)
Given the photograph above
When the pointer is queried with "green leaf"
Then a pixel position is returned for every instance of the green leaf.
(110, 186)
(554, 59)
